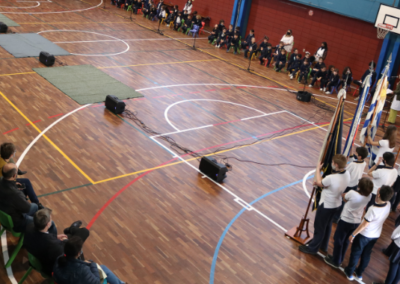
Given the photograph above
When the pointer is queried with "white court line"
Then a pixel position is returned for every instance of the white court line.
(132, 39)
(209, 100)
(210, 84)
(108, 54)
(4, 246)
(11, 7)
(57, 12)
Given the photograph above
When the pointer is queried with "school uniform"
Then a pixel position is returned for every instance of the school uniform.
(356, 171)
(235, 43)
(247, 41)
(171, 17)
(196, 22)
(266, 54)
(177, 23)
(350, 219)
(331, 82)
(263, 46)
(363, 243)
(346, 79)
(221, 39)
(396, 188)
(320, 74)
(331, 199)
(252, 49)
(317, 66)
(280, 62)
(137, 6)
(128, 3)
(304, 69)
(295, 67)
(229, 35)
(146, 8)
(187, 25)
(158, 8)
(291, 59)
(383, 176)
(220, 28)
(384, 146)
(393, 276)
(214, 34)
(152, 13)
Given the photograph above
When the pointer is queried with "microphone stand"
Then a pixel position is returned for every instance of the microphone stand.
(250, 55)
(104, 7)
(158, 30)
(194, 42)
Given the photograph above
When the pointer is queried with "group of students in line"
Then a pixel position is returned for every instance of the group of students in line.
(60, 255)
(345, 195)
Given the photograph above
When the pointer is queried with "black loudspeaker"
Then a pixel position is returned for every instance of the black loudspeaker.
(214, 170)
(47, 58)
(114, 104)
(303, 96)
(3, 28)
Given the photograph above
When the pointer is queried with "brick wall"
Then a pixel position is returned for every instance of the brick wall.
(350, 42)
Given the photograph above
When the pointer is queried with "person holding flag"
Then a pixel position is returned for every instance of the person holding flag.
(386, 144)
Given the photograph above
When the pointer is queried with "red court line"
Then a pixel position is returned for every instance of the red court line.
(33, 122)
(228, 88)
(212, 90)
(10, 131)
(159, 97)
(194, 92)
(241, 87)
(55, 115)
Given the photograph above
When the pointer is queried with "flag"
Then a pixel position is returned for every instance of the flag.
(332, 144)
(374, 114)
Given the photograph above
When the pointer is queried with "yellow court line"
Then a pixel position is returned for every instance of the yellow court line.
(216, 153)
(160, 63)
(12, 74)
(48, 139)
(332, 105)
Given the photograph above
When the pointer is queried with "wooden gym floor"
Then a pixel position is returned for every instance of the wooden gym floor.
(152, 217)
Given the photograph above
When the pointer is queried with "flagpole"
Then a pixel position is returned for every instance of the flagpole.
(295, 233)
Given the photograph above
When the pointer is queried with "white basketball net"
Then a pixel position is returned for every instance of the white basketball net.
(383, 29)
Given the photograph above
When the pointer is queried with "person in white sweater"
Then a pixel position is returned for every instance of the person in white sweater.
(188, 7)
(288, 41)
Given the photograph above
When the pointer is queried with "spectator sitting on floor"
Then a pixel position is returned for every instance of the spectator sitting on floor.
(68, 269)
(41, 239)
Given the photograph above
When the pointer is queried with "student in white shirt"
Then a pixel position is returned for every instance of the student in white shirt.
(385, 175)
(386, 144)
(349, 220)
(331, 198)
(356, 171)
(322, 52)
(393, 276)
(367, 233)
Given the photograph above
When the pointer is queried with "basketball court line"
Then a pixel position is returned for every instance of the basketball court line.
(58, 12)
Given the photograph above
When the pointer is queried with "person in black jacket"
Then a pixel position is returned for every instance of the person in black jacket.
(234, 43)
(172, 15)
(266, 55)
(263, 45)
(178, 21)
(137, 5)
(153, 12)
(146, 8)
(292, 58)
(13, 201)
(221, 26)
(321, 76)
(252, 48)
(229, 35)
(317, 67)
(333, 81)
(214, 34)
(187, 25)
(247, 41)
(281, 61)
(278, 49)
(41, 239)
(295, 66)
(346, 77)
(68, 269)
(304, 69)
(221, 39)
(159, 5)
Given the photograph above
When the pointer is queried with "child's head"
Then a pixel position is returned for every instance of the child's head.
(388, 159)
(338, 162)
(266, 39)
(307, 55)
(283, 51)
(323, 69)
(295, 51)
(230, 27)
(362, 153)
(365, 186)
(305, 62)
(253, 40)
(347, 70)
(198, 17)
(216, 26)
(175, 7)
(372, 64)
(222, 22)
(335, 71)
(385, 193)
(237, 28)
(185, 12)
(251, 32)
(320, 60)
(281, 44)
(7, 150)
(224, 30)
(189, 16)
(298, 56)
(390, 134)
(179, 14)
(235, 35)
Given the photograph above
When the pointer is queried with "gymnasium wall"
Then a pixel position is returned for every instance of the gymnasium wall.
(351, 42)
(215, 9)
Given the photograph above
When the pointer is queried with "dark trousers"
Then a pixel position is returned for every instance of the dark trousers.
(28, 191)
(303, 76)
(279, 67)
(223, 43)
(244, 45)
(235, 47)
(361, 249)
(337, 214)
(341, 240)
(246, 52)
(393, 276)
(371, 202)
(322, 228)
(324, 83)
(82, 233)
(293, 71)
(314, 79)
(396, 197)
(212, 37)
(268, 59)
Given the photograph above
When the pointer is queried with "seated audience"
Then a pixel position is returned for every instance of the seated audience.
(278, 49)
(367, 233)
(146, 8)
(322, 52)
(320, 76)
(280, 61)
(153, 13)
(214, 34)
(187, 25)
(252, 48)
(346, 77)
(221, 26)
(295, 66)
(68, 269)
(292, 58)
(332, 81)
(307, 58)
(137, 6)
(221, 39)
(229, 34)
(178, 21)
(317, 67)
(172, 15)
(266, 55)
(13, 201)
(263, 45)
(304, 69)
(41, 239)
(247, 41)
(234, 43)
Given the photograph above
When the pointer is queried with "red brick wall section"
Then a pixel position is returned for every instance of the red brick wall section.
(215, 9)
(350, 42)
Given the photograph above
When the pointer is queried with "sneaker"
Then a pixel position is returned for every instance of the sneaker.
(310, 86)
(358, 277)
(324, 89)
(167, 25)
(356, 99)
(329, 261)
(320, 89)
(350, 277)
(328, 93)
(291, 77)
(305, 249)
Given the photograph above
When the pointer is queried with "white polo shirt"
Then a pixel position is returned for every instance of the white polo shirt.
(383, 148)
(334, 186)
(354, 207)
(376, 216)
(356, 170)
(384, 176)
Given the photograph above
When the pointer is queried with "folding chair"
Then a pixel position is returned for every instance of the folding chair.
(202, 27)
(194, 31)
(7, 224)
(34, 264)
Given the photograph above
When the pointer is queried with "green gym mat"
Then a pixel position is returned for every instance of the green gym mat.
(8, 21)
(86, 84)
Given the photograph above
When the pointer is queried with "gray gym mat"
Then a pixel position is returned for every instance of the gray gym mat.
(8, 21)
(85, 83)
(29, 45)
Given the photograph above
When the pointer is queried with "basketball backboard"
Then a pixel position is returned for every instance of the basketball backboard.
(388, 18)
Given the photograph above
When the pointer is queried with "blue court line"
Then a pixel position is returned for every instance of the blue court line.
(221, 239)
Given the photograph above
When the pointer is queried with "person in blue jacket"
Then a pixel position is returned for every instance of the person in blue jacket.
(68, 269)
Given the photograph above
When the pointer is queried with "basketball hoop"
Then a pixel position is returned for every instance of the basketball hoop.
(383, 30)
